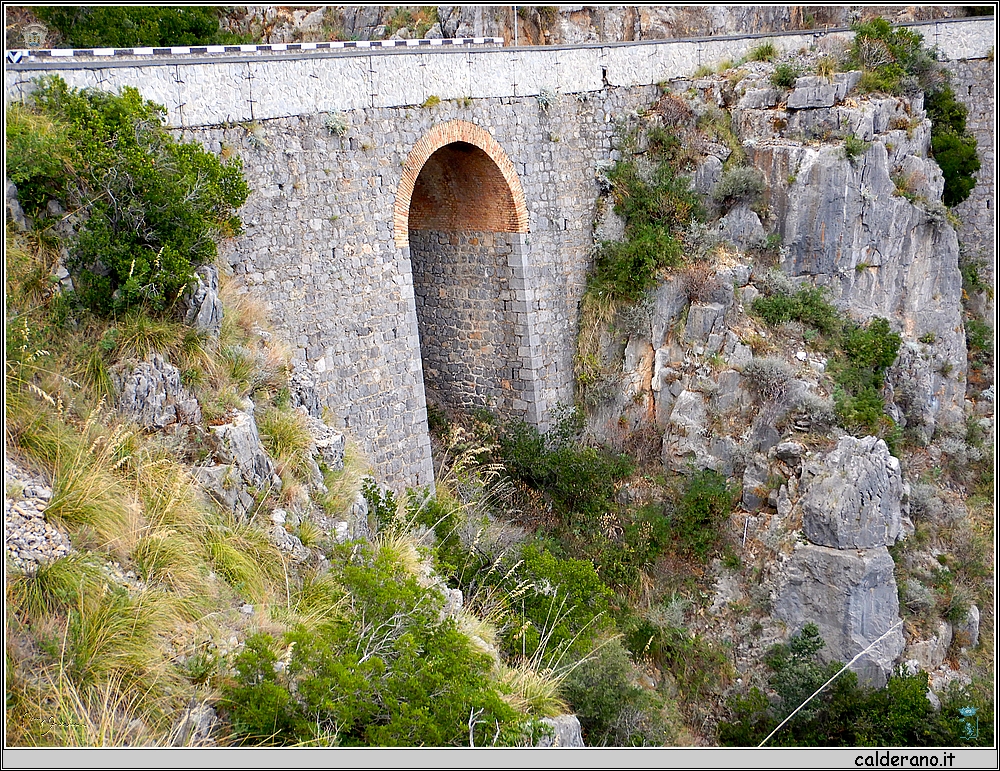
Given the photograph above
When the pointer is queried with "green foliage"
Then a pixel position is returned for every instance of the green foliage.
(893, 60)
(579, 480)
(763, 53)
(854, 147)
(656, 204)
(629, 268)
(869, 352)
(40, 157)
(861, 354)
(701, 514)
(845, 714)
(562, 606)
(152, 206)
(383, 508)
(137, 26)
(808, 305)
(697, 665)
(785, 75)
(954, 148)
(612, 710)
(390, 672)
(742, 183)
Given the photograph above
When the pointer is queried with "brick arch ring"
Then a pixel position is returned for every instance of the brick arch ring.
(431, 142)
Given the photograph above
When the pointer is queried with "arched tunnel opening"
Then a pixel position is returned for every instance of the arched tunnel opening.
(467, 263)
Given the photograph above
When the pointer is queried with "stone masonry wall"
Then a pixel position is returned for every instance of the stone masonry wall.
(469, 333)
(974, 83)
(322, 246)
(318, 249)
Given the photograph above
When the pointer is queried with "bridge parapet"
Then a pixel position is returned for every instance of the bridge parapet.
(262, 85)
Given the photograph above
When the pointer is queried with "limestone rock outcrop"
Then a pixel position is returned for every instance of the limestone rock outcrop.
(239, 445)
(853, 497)
(866, 222)
(851, 597)
(565, 732)
(852, 501)
(202, 306)
(152, 394)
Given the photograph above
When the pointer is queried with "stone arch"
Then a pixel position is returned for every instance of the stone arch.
(461, 223)
(512, 212)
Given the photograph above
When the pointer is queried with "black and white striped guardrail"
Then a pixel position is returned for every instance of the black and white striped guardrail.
(16, 57)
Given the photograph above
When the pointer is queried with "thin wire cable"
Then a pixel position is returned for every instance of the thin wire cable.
(886, 634)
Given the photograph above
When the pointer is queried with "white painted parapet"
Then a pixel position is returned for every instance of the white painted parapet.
(280, 81)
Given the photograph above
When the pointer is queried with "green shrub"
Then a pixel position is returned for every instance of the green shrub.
(562, 606)
(785, 75)
(629, 268)
(700, 516)
(845, 714)
(389, 672)
(854, 147)
(579, 480)
(41, 157)
(382, 504)
(861, 354)
(808, 305)
(656, 204)
(893, 60)
(763, 53)
(152, 220)
(613, 711)
(954, 148)
(743, 183)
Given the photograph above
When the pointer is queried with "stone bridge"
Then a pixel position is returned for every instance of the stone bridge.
(421, 224)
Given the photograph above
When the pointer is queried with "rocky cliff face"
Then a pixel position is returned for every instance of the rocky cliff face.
(850, 203)
(555, 25)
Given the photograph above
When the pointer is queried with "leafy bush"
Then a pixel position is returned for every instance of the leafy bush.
(629, 268)
(861, 354)
(389, 672)
(702, 512)
(869, 352)
(808, 305)
(743, 183)
(845, 714)
(893, 60)
(40, 156)
(613, 711)
(656, 204)
(152, 207)
(579, 480)
(563, 605)
(134, 26)
(785, 75)
(954, 148)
